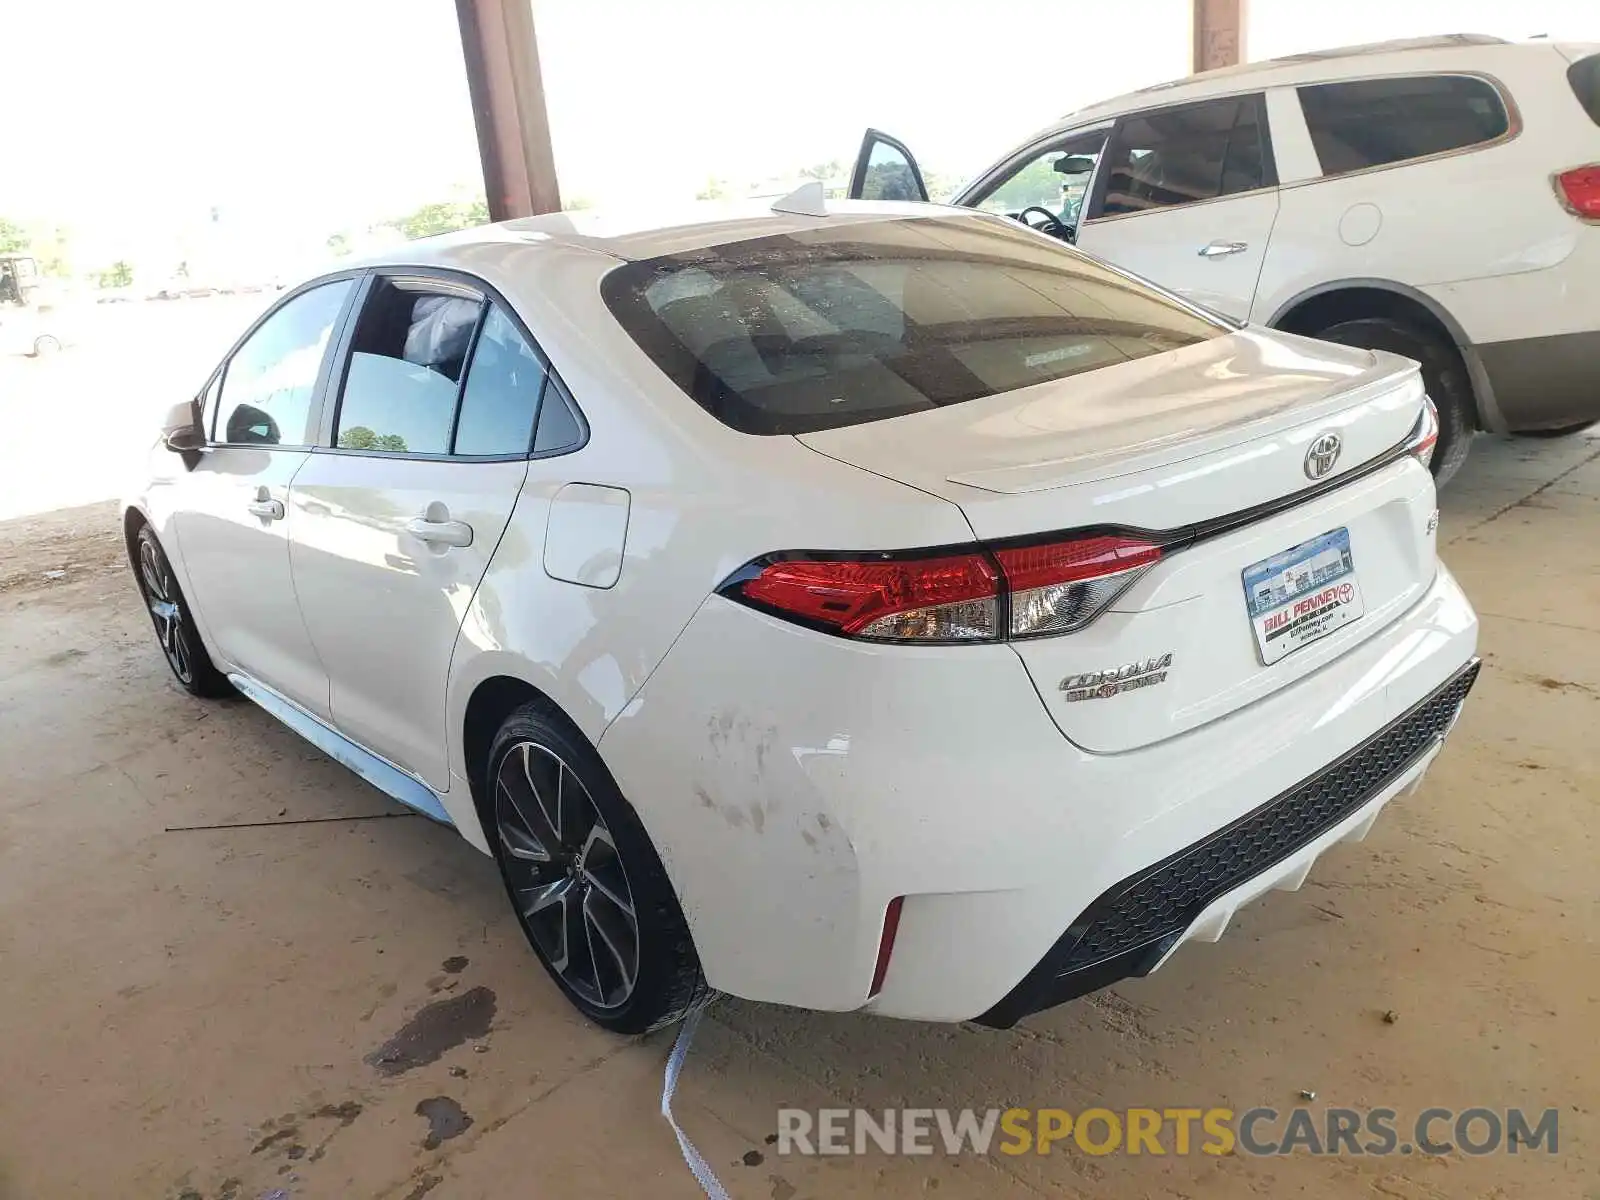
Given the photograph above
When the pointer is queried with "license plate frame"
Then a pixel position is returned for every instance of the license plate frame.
(1299, 596)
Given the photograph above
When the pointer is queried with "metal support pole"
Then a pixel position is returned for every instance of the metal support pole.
(519, 169)
(1218, 33)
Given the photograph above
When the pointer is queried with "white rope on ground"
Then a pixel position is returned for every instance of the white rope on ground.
(680, 1050)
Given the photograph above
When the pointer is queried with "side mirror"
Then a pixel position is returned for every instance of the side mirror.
(181, 431)
(1074, 164)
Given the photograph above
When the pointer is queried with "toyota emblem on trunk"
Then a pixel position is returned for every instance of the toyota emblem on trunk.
(1324, 452)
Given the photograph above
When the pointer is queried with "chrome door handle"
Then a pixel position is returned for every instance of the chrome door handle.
(267, 510)
(1223, 249)
(440, 533)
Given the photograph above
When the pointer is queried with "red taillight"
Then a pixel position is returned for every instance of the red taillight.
(1580, 191)
(1052, 587)
(891, 926)
(946, 598)
(1425, 433)
(1058, 587)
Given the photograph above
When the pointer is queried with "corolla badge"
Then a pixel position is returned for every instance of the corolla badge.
(1322, 454)
(1097, 685)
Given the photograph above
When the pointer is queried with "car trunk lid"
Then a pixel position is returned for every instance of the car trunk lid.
(1205, 448)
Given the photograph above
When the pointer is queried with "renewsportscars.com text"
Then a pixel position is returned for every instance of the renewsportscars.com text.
(1259, 1132)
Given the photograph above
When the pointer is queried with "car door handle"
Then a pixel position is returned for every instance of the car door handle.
(1223, 249)
(440, 533)
(267, 510)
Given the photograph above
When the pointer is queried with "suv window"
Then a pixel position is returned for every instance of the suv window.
(1373, 122)
(1174, 156)
(406, 363)
(1054, 180)
(268, 382)
(860, 321)
(1584, 76)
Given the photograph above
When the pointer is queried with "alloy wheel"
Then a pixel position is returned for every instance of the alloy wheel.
(161, 596)
(565, 875)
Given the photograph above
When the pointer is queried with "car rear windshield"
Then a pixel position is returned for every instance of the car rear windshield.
(863, 320)
(1584, 75)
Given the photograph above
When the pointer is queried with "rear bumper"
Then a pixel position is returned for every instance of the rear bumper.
(795, 784)
(1545, 382)
(1132, 928)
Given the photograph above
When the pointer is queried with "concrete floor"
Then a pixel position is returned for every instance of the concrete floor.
(190, 1014)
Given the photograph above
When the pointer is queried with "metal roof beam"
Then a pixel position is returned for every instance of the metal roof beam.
(519, 169)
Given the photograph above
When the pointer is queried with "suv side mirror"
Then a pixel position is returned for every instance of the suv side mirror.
(182, 432)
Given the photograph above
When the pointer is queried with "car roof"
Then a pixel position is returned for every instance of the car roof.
(629, 234)
(1443, 52)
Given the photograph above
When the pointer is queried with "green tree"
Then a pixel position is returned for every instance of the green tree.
(443, 216)
(823, 173)
(13, 238)
(715, 189)
(339, 244)
(118, 275)
(359, 437)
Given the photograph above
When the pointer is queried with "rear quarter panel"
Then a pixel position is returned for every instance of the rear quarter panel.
(703, 501)
(1479, 214)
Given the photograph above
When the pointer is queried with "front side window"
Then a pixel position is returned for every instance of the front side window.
(1373, 122)
(863, 321)
(407, 360)
(1175, 156)
(269, 381)
(1056, 180)
(890, 173)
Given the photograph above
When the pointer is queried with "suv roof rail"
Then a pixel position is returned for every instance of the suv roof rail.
(1441, 41)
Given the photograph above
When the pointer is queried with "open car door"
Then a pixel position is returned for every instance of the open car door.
(886, 170)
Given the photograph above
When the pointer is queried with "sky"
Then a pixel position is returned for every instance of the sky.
(130, 122)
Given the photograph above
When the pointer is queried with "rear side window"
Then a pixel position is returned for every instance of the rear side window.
(406, 364)
(1175, 156)
(863, 320)
(1373, 122)
(1584, 76)
(501, 399)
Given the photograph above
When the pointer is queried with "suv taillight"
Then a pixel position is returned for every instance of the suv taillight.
(967, 595)
(1579, 190)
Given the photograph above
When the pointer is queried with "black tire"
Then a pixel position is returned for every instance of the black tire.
(1442, 374)
(587, 884)
(174, 622)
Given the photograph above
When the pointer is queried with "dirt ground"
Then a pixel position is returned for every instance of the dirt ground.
(208, 1013)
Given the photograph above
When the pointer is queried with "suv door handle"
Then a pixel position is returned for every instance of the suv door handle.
(437, 529)
(1223, 249)
(265, 507)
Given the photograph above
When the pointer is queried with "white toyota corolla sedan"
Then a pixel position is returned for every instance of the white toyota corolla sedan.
(859, 607)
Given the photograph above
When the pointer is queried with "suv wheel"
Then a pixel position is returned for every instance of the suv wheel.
(585, 883)
(175, 629)
(1442, 374)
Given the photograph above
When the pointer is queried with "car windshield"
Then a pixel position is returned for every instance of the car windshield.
(863, 320)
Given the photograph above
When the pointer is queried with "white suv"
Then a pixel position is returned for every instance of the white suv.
(1438, 197)
(880, 608)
